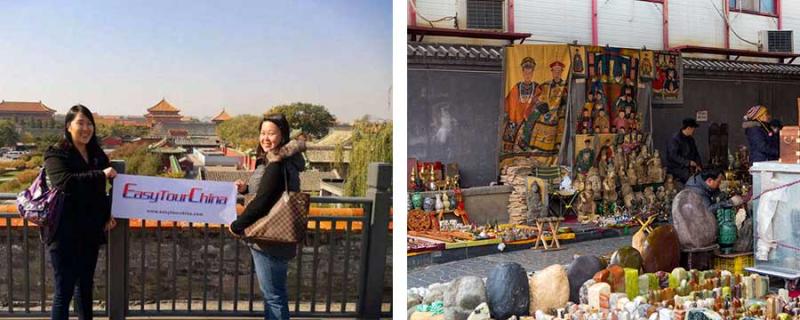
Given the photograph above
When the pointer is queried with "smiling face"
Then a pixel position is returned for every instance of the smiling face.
(81, 130)
(270, 136)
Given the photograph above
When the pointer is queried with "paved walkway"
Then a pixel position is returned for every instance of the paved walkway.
(531, 260)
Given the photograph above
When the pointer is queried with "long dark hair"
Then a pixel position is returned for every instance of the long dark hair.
(66, 142)
(279, 120)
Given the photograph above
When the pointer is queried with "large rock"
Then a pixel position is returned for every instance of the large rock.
(627, 257)
(661, 250)
(616, 278)
(435, 293)
(507, 291)
(463, 296)
(596, 291)
(580, 270)
(696, 227)
(549, 289)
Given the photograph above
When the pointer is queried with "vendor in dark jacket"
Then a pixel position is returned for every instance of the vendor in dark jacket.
(763, 139)
(279, 162)
(682, 155)
(78, 166)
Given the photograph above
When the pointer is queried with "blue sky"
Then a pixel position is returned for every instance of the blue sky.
(120, 58)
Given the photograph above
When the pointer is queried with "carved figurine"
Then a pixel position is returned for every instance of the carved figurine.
(639, 165)
(587, 207)
(650, 196)
(661, 194)
(534, 204)
(602, 164)
(619, 160)
(579, 183)
(655, 170)
(633, 178)
(628, 200)
(669, 186)
(610, 188)
(595, 181)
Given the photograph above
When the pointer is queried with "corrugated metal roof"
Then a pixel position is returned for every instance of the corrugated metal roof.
(740, 66)
(454, 51)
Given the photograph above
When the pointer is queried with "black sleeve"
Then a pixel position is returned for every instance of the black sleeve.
(60, 175)
(673, 153)
(270, 189)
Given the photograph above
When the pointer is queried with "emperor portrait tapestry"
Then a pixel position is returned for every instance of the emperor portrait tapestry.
(536, 89)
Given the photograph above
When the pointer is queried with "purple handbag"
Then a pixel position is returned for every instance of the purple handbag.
(41, 205)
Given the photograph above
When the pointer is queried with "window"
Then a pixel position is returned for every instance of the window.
(485, 14)
(754, 6)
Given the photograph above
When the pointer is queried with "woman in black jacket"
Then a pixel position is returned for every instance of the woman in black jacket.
(78, 166)
(275, 159)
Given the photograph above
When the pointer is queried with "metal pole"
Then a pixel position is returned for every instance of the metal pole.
(118, 263)
(379, 182)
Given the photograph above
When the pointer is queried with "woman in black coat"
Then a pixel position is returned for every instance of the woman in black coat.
(763, 139)
(78, 166)
(278, 163)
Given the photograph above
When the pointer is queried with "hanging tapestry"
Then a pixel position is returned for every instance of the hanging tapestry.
(668, 82)
(611, 91)
(646, 65)
(578, 56)
(536, 91)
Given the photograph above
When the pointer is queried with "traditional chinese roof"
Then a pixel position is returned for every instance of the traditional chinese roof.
(454, 54)
(336, 135)
(163, 106)
(222, 116)
(740, 66)
(21, 106)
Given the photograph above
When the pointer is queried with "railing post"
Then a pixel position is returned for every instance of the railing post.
(379, 182)
(118, 263)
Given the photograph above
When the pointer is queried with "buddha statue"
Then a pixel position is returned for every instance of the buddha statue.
(595, 181)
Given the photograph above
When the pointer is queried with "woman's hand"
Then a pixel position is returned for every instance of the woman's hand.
(110, 173)
(241, 187)
(111, 223)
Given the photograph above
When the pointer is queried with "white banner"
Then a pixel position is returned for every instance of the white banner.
(153, 198)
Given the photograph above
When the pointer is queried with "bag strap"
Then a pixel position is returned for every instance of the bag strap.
(285, 178)
(41, 179)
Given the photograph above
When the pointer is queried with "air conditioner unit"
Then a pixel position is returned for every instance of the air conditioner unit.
(485, 14)
(776, 41)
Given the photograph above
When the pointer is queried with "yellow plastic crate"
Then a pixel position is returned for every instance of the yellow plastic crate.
(735, 263)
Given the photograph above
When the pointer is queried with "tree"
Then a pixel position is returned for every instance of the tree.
(313, 119)
(372, 142)
(240, 131)
(8, 133)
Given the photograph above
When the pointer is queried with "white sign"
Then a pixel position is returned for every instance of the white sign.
(702, 116)
(152, 198)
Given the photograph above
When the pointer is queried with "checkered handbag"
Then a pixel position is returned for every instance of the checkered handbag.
(286, 221)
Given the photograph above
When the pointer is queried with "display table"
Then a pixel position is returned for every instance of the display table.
(777, 182)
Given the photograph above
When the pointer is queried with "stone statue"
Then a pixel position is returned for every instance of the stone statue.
(595, 181)
(534, 204)
(619, 159)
